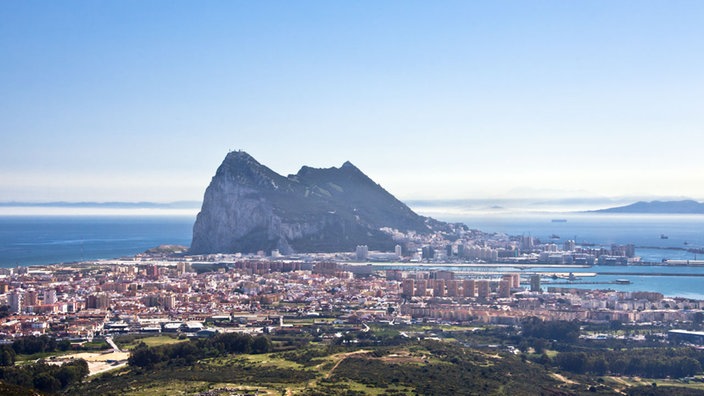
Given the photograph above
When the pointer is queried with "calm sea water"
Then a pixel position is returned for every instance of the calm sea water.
(644, 231)
(29, 240)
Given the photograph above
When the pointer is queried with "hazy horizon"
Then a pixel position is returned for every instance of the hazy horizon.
(432, 207)
(141, 101)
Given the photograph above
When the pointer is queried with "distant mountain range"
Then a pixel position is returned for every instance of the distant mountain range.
(644, 207)
(658, 207)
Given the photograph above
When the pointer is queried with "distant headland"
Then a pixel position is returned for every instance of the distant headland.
(658, 207)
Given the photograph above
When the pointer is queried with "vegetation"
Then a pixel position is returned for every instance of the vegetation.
(31, 348)
(649, 363)
(130, 341)
(14, 390)
(39, 344)
(45, 377)
(416, 367)
(558, 330)
(186, 353)
(535, 358)
(213, 372)
(447, 370)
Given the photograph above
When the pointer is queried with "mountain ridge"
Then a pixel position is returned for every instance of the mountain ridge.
(248, 208)
(687, 206)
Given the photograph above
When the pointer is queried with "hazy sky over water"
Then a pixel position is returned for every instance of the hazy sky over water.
(141, 100)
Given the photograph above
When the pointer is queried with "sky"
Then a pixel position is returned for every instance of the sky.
(141, 100)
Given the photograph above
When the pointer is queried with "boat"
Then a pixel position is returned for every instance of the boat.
(559, 220)
(663, 236)
(622, 282)
(553, 236)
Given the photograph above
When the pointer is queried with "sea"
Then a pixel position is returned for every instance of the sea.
(38, 240)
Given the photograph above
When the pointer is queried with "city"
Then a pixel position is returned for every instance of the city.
(154, 293)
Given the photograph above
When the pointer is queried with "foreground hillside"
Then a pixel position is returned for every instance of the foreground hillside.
(320, 357)
(429, 367)
(372, 365)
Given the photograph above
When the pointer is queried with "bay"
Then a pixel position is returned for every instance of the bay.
(656, 237)
(686, 282)
(35, 240)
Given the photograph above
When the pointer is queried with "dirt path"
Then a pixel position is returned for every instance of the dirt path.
(343, 357)
(564, 379)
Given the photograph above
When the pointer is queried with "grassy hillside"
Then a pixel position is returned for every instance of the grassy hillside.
(427, 367)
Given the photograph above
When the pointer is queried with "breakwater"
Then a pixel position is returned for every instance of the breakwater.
(688, 274)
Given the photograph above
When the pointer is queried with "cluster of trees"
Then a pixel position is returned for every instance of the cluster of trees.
(186, 353)
(7, 355)
(558, 330)
(650, 362)
(39, 344)
(29, 346)
(45, 377)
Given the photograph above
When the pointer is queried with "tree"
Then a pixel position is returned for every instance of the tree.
(261, 344)
(599, 366)
(538, 345)
(7, 356)
(46, 382)
(81, 367)
(685, 367)
(553, 330)
(64, 345)
(143, 356)
(572, 361)
(185, 353)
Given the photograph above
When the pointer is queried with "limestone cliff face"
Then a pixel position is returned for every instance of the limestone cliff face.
(248, 207)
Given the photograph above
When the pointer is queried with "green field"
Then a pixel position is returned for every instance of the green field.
(127, 343)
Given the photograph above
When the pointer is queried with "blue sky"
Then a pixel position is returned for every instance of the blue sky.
(141, 100)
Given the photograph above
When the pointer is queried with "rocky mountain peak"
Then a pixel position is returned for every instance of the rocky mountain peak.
(246, 170)
(248, 207)
(349, 165)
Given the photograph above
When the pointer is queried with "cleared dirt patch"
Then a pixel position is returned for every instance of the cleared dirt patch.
(97, 362)
(564, 379)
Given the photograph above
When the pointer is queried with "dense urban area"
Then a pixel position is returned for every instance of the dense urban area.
(87, 319)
